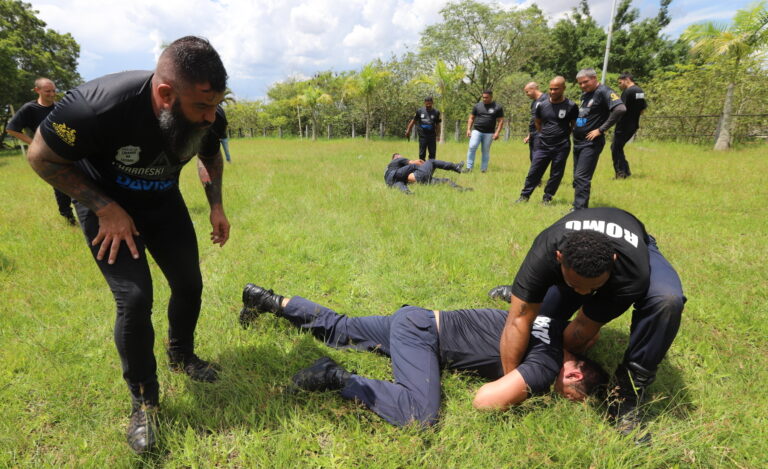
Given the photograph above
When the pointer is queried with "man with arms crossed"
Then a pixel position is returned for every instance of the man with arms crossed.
(554, 119)
(29, 117)
(599, 261)
(600, 108)
(117, 145)
(483, 127)
(420, 343)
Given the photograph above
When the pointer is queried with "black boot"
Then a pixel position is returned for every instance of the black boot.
(502, 292)
(257, 300)
(458, 166)
(325, 374)
(142, 429)
(626, 398)
(193, 366)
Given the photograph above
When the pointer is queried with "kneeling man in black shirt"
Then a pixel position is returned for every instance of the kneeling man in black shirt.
(421, 342)
(599, 261)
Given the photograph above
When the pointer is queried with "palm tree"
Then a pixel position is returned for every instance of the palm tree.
(446, 81)
(734, 45)
(365, 84)
(312, 98)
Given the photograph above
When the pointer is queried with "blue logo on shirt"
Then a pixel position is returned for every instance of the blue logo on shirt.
(142, 184)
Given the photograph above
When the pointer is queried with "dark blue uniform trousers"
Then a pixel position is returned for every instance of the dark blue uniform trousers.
(427, 143)
(655, 319)
(541, 159)
(409, 337)
(423, 173)
(585, 156)
(620, 139)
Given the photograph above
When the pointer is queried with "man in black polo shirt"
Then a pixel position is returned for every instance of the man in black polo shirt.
(599, 261)
(117, 145)
(600, 108)
(427, 121)
(401, 171)
(483, 127)
(633, 98)
(554, 119)
(420, 343)
(29, 117)
(532, 91)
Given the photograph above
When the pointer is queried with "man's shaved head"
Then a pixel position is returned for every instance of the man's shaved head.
(42, 81)
(558, 80)
(531, 86)
(189, 61)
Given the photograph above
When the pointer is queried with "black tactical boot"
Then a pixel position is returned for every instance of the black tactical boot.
(194, 367)
(502, 292)
(458, 166)
(325, 374)
(257, 300)
(522, 199)
(626, 398)
(142, 429)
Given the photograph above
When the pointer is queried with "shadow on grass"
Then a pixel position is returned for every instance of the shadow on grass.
(6, 264)
(254, 390)
(668, 394)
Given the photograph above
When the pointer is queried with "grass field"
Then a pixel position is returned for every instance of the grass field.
(315, 219)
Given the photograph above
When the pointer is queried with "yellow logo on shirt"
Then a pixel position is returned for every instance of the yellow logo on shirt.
(614, 96)
(66, 134)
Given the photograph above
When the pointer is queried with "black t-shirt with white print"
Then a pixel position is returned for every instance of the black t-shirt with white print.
(426, 121)
(634, 99)
(556, 121)
(486, 116)
(469, 340)
(109, 128)
(630, 276)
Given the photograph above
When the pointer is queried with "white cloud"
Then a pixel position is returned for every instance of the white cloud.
(267, 40)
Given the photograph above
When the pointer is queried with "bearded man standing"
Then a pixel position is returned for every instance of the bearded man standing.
(117, 145)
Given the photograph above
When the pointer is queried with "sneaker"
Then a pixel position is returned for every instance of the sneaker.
(194, 367)
(483, 170)
(466, 170)
(459, 166)
(546, 200)
(142, 429)
(325, 374)
(522, 199)
(502, 292)
(257, 300)
(621, 175)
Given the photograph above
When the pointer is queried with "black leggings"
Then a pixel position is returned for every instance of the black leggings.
(167, 232)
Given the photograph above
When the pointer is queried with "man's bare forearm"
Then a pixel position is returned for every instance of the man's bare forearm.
(65, 176)
(21, 136)
(215, 167)
(516, 333)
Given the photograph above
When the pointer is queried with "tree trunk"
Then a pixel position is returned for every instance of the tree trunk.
(367, 117)
(442, 131)
(724, 137)
(298, 114)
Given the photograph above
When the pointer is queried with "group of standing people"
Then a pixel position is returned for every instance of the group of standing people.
(117, 144)
(554, 119)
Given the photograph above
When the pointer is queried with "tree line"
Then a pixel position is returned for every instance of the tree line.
(713, 70)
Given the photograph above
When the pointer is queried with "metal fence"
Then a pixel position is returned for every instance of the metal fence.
(699, 129)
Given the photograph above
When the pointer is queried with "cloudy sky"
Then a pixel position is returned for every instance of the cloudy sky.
(264, 41)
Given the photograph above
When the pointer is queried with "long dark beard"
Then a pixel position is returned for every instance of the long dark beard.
(182, 138)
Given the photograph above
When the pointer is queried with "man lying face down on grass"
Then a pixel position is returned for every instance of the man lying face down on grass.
(420, 343)
(401, 171)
